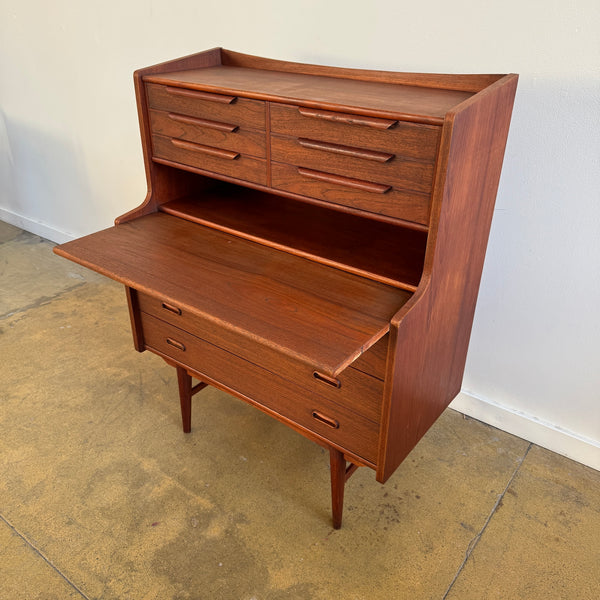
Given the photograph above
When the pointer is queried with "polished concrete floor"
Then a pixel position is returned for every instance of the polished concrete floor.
(103, 496)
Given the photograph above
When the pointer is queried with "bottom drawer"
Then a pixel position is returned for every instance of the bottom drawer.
(360, 390)
(335, 423)
(407, 205)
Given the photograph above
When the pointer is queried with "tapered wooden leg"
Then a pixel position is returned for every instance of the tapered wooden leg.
(340, 473)
(184, 379)
(338, 481)
(186, 391)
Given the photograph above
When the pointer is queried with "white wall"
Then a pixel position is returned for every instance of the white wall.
(70, 157)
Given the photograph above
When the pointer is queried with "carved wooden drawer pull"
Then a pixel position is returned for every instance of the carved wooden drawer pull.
(329, 421)
(346, 118)
(359, 184)
(171, 308)
(203, 123)
(332, 381)
(381, 157)
(217, 152)
(175, 344)
(196, 95)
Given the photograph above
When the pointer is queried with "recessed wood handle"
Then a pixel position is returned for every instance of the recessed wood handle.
(227, 127)
(328, 380)
(197, 95)
(329, 421)
(347, 118)
(171, 308)
(217, 152)
(175, 344)
(359, 184)
(381, 157)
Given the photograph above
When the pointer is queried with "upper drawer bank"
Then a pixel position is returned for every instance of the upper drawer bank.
(213, 132)
(382, 166)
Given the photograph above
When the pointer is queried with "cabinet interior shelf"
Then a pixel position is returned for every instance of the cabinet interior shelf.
(378, 250)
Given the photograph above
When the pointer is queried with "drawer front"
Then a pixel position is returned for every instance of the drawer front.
(410, 140)
(367, 195)
(333, 422)
(358, 391)
(209, 158)
(240, 112)
(357, 162)
(209, 133)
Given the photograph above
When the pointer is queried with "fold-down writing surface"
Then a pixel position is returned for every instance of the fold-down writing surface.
(318, 314)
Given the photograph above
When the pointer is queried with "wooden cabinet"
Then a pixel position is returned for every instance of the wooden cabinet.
(312, 241)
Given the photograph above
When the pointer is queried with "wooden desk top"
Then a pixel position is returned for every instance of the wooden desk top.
(318, 314)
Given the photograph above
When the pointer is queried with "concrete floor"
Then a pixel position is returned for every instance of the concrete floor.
(103, 496)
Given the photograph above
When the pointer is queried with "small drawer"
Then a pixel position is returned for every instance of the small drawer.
(242, 112)
(208, 132)
(410, 140)
(357, 390)
(368, 195)
(210, 158)
(311, 411)
(354, 161)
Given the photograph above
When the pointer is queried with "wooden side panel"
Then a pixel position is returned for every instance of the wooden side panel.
(430, 334)
(163, 183)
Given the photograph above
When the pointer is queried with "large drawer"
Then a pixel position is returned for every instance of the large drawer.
(411, 140)
(208, 132)
(367, 195)
(387, 168)
(209, 158)
(333, 422)
(355, 389)
(241, 112)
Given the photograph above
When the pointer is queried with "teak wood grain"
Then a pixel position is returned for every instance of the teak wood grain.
(311, 242)
(285, 301)
(434, 328)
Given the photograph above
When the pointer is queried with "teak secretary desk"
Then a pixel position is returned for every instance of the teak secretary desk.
(312, 241)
